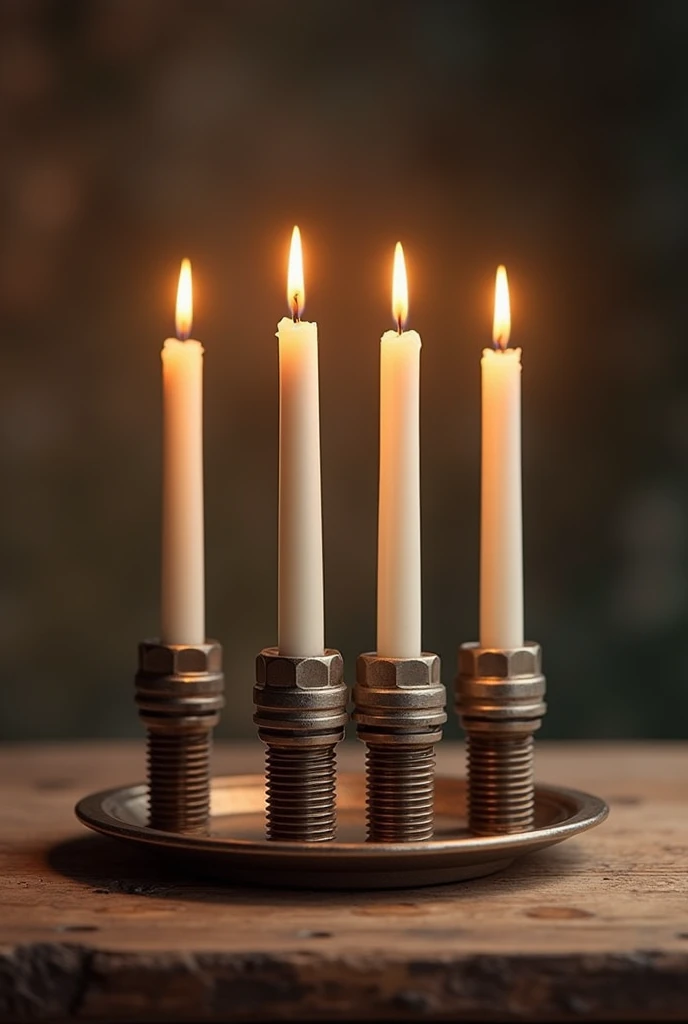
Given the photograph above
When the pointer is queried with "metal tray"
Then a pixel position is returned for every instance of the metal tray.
(236, 851)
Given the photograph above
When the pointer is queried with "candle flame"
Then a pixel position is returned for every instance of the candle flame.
(184, 313)
(296, 291)
(399, 288)
(501, 328)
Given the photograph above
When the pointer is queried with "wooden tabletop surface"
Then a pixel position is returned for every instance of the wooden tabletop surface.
(595, 928)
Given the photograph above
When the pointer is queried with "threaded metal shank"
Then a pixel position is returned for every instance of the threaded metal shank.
(500, 701)
(179, 694)
(399, 709)
(400, 793)
(300, 793)
(300, 711)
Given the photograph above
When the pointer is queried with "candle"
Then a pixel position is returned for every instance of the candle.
(300, 599)
(398, 572)
(183, 583)
(501, 533)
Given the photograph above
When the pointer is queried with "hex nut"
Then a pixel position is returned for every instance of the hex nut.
(399, 701)
(299, 673)
(179, 686)
(156, 658)
(379, 673)
(500, 691)
(513, 663)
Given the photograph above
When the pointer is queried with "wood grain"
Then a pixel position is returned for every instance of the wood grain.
(596, 928)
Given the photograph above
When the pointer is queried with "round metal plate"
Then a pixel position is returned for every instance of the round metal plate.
(237, 852)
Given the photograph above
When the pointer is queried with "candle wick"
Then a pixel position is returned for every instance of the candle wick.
(399, 327)
(295, 308)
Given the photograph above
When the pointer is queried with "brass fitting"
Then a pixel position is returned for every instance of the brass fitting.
(399, 710)
(301, 712)
(179, 693)
(500, 702)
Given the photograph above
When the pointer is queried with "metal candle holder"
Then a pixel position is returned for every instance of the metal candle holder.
(399, 711)
(301, 714)
(500, 701)
(179, 693)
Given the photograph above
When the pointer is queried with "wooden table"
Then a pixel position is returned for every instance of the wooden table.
(596, 928)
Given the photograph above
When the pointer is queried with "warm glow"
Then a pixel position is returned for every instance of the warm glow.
(399, 288)
(502, 311)
(184, 314)
(296, 292)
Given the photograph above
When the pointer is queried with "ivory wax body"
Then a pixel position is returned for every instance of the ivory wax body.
(183, 570)
(501, 529)
(399, 579)
(300, 575)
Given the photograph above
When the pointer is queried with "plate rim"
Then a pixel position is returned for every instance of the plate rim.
(588, 811)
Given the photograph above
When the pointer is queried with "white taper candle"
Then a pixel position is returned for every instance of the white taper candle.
(300, 600)
(501, 529)
(399, 560)
(183, 571)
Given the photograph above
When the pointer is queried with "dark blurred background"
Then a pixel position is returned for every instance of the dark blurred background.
(552, 137)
